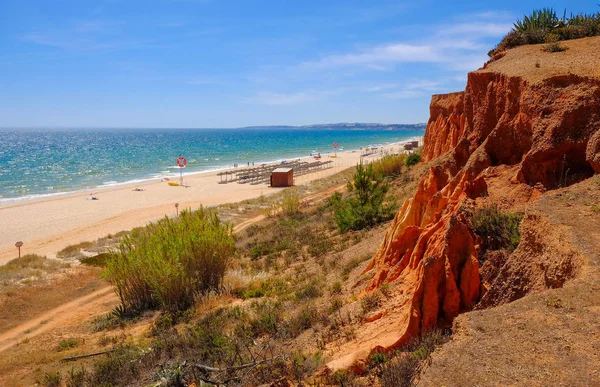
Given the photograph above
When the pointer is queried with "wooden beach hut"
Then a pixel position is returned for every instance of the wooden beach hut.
(282, 177)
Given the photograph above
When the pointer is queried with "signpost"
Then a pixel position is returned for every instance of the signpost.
(18, 246)
(181, 163)
(177, 209)
(335, 147)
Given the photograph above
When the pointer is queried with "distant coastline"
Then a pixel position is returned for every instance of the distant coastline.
(331, 126)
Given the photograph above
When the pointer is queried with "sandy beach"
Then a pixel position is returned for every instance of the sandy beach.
(47, 225)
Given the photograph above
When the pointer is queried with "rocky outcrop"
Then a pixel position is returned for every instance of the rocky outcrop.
(547, 132)
(446, 124)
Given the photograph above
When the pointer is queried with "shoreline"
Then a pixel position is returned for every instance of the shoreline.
(173, 173)
(47, 225)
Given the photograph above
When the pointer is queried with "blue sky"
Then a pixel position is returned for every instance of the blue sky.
(226, 63)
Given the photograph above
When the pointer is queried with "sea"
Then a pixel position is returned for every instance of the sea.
(45, 162)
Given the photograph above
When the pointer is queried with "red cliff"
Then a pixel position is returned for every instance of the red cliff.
(538, 123)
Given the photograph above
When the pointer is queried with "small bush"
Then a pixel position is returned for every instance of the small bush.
(267, 318)
(402, 369)
(52, 379)
(73, 251)
(412, 159)
(336, 288)
(67, 344)
(303, 320)
(78, 378)
(378, 358)
(498, 230)
(554, 47)
(335, 305)
(348, 267)
(544, 26)
(290, 202)
(311, 290)
(167, 263)
(365, 207)
(370, 302)
(390, 165)
(399, 372)
(119, 368)
(97, 260)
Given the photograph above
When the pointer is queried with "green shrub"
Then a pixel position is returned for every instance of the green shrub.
(311, 290)
(67, 344)
(335, 305)
(336, 288)
(412, 159)
(78, 378)
(52, 379)
(73, 250)
(97, 260)
(544, 26)
(290, 202)
(304, 319)
(408, 360)
(267, 318)
(390, 165)
(168, 263)
(377, 358)
(370, 302)
(544, 19)
(366, 205)
(498, 230)
(554, 47)
(119, 368)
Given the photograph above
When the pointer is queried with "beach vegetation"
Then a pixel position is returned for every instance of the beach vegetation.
(67, 344)
(168, 263)
(497, 229)
(401, 367)
(412, 159)
(389, 165)
(98, 260)
(366, 204)
(30, 266)
(545, 26)
(52, 379)
(73, 251)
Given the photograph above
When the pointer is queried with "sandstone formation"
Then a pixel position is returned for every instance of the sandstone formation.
(542, 125)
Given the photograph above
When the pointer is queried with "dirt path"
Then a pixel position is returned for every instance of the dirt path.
(94, 302)
(55, 317)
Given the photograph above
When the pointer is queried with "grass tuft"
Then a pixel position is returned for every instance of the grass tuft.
(168, 263)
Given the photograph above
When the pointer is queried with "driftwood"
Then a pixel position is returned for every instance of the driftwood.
(236, 368)
(208, 369)
(71, 358)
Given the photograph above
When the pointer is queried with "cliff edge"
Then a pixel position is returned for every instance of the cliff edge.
(527, 123)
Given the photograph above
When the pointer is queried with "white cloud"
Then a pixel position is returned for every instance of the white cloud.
(461, 42)
(273, 99)
(380, 87)
(378, 57)
(422, 85)
(479, 29)
(404, 94)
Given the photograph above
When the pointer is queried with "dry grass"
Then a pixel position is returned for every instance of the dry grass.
(283, 298)
(579, 59)
(29, 268)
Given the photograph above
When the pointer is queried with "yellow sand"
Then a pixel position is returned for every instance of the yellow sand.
(48, 225)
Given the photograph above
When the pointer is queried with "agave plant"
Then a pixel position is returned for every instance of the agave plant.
(542, 19)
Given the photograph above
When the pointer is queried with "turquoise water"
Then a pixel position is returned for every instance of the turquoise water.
(36, 163)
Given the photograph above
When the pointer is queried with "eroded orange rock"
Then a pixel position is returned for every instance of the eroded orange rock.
(546, 134)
